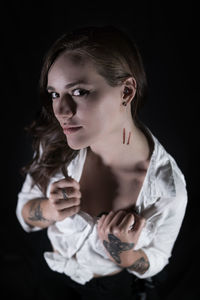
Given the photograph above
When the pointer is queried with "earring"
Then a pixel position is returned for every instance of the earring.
(126, 90)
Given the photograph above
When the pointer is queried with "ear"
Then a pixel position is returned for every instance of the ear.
(129, 89)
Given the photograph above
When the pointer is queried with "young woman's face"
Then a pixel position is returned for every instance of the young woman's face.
(89, 103)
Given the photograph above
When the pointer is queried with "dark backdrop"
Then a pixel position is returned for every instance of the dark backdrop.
(167, 37)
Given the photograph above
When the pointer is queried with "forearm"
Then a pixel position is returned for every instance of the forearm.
(119, 238)
(136, 261)
(133, 260)
(34, 214)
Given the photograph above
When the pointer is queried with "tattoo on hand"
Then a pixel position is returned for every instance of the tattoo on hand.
(141, 265)
(36, 212)
(115, 247)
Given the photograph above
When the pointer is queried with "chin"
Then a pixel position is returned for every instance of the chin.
(77, 146)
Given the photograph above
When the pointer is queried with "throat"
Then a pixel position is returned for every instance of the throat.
(127, 159)
(106, 187)
(104, 190)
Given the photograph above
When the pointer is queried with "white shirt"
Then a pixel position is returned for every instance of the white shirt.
(162, 202)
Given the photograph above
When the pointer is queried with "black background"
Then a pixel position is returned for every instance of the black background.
(167, 35)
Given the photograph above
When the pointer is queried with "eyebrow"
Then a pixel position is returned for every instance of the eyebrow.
(69, 85)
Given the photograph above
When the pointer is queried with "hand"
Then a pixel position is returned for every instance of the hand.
(60, 208)
(118, 235)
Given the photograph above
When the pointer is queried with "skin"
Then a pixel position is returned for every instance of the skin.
(95, 111)
(42, 212)
(106, 123)
(119, 237)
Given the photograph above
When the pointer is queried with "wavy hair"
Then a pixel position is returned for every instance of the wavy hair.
(116, 57)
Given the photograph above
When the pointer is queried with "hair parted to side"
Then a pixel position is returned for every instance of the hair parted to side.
(115, 57)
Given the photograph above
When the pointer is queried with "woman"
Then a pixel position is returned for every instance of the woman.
(111, 196)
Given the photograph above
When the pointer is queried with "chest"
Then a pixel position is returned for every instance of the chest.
(102, 191)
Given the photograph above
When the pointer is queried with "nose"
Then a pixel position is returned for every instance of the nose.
(64, 107)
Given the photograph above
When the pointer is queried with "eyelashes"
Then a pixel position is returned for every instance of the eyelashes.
(53, 95)
(80, 93)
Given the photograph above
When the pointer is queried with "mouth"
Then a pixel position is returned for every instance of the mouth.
(70, 130)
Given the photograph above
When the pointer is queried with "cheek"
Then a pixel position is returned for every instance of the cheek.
(89, 111)
(54, 108)
(101, 115)
(99, 110)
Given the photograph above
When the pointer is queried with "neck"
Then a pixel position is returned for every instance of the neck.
(122, 149)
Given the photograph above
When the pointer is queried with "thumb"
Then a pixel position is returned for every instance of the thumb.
(138, 225)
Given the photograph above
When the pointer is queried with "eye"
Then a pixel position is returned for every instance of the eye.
(79, 92)
(54, 95)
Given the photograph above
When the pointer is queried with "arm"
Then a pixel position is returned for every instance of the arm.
(35, 211)
(163, 222)
(166, 222)
(123, 254)
(119, 238)
(140, 262)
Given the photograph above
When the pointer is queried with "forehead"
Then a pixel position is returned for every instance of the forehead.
(69, 67)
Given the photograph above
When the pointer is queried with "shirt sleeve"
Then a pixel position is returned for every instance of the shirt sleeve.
(26, 194)
(168, 221)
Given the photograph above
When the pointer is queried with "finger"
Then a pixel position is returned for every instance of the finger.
(63, 204)
(100, 221)
(107, 219)
(69, 212)
(139, 225)
(71, 192)
(127, 222)
(116, 220)
(64, 183)
(138, 220)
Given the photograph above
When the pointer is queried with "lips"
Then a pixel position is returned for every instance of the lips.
(70, 126)
(71, 129)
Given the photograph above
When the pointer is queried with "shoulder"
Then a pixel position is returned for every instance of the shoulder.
(165, 179)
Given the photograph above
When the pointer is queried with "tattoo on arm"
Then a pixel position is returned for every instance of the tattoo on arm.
(141, 265)
(35, 213)
(115, 247)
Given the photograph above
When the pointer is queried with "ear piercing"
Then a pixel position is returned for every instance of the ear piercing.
(126, 92)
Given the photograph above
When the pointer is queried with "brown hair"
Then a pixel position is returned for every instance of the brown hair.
(116, 58)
